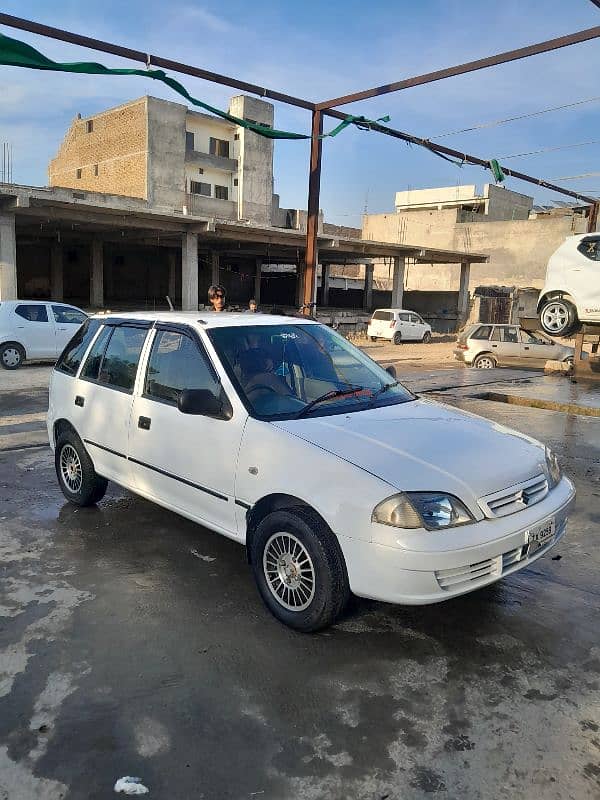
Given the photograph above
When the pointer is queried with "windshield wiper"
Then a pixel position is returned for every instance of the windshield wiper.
(381, 390)
(329, 396)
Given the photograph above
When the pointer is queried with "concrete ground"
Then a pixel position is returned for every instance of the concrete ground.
(133, 642)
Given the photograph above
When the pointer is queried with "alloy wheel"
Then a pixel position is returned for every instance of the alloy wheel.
(555, 316)
(70, 468)
(486, 362)
(289, 571)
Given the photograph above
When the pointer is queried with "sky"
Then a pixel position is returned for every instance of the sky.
(319, 50)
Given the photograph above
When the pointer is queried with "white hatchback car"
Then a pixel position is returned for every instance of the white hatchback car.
(280, 434)
(35, 330)
(571, 293)
(398, 325)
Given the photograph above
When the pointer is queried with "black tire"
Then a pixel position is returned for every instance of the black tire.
(558, 316)
(77, 478)
(325, 568)
(397, 338)
(484, 361)
(426, 337)
(12, 355)
(373, 338)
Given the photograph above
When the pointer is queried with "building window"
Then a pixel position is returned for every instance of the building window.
(78, 173)
(96, 170)
(221, 193)
(235, 181)
(89, 126)
(197, 187)
(236, 137)
(189, 140)
(219, 147)
(200, 171)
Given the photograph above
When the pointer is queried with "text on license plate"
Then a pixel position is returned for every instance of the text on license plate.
(540, 535)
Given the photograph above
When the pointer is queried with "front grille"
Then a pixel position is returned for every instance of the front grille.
(469, 575)
(515, 498)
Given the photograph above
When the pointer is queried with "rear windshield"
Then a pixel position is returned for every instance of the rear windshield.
(387, 315)
(71, 356)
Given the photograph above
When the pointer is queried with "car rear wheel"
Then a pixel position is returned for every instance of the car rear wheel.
(558, 317)
(426, 337)
(299, 569)
(77, 478)
(12, 355)
(373, 338)
(397, 339)
(484, 361)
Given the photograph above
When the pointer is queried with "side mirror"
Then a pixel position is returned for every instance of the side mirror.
(392, 371)
(200, 402)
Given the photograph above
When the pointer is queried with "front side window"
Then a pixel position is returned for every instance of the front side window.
(175, 364)
(590, 247)
(404, 317)
(32, 312)
(71, 357)
(68, 315)
(530, 338)
(286, 371)
(114, 357)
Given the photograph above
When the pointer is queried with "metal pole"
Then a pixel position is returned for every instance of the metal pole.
(471, 66)
(593, 217)
(309, 277)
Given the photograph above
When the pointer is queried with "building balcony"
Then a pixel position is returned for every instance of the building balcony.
(200, 205)
(206, 160)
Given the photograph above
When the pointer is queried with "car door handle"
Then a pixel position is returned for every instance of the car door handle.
(494, 345)
(79, 400)
(144, 423)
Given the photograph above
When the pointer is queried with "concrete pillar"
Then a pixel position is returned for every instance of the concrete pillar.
(398, 282)
(214, 267)
(463, 292)
(56, 272)
(172, 262)
(8, 257)
(189, 272)
(368, 290)
(325, 274)
(257, 279)
(97, 275)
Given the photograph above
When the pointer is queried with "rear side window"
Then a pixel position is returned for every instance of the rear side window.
(121, 357)
(91, 368)
(404, 317)
(71, 356)
(33, 312)
(176, 363)
(483, 332)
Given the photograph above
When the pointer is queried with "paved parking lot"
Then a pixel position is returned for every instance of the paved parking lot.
(133, 642)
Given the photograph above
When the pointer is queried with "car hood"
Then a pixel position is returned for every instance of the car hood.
(426, 446)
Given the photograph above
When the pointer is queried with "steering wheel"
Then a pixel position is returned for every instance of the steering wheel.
(261, 387)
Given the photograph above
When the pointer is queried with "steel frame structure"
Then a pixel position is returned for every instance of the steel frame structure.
(327, 108)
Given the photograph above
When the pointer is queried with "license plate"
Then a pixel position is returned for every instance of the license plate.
(540, 535)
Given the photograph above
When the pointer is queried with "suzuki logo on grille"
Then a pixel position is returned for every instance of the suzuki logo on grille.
(521, 498)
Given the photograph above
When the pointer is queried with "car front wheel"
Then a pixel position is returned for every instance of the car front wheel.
(558, 317)
(484, 361)
(397, 338)
(426, 337)
(299, 569)
(12, 355)
(77, 478)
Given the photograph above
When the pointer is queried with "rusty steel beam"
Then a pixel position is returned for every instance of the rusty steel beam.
(470, 66)
(311, 259)
(147, 58)
(593, 215)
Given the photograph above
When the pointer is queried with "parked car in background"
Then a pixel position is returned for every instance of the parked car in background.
(35, 330)
(398, 325)
(281, 435)
(486, 346)
(571, 293)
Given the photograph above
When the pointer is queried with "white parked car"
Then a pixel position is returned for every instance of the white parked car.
(571, 293)
(35, 330)
(280, 434)
(398, 325)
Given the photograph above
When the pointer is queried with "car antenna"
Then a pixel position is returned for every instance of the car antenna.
(171, 306)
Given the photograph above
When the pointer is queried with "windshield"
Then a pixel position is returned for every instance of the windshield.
(293, 370)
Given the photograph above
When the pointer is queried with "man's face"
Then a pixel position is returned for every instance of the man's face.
(252, 306)
(218, 301)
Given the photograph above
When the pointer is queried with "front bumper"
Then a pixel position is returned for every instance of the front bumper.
(407, 577)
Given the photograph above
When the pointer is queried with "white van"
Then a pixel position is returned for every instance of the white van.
(571, 293)
(398, 325)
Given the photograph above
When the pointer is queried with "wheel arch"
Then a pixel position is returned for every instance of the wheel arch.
(17, 344)
(485, 353)
(63, 426)
(554, 294)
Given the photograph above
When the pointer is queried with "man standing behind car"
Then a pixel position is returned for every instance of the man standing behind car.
(217, 297)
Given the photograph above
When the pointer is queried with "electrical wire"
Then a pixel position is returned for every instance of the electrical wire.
(496, 122)
(550, 149)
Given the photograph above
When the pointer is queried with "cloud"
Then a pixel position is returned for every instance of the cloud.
(204, 18)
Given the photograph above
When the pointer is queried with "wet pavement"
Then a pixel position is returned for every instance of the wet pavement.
(133, 642)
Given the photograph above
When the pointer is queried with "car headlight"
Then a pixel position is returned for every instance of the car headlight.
(553, 468)
(431, 510)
